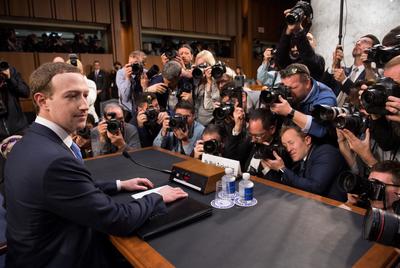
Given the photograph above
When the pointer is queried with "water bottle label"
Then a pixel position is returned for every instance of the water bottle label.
(231, 187)
(248, 194)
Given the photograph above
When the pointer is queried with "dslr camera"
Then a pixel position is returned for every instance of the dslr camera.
(198, 71)
(113, 125)
(178, 122)
(222, 112)
(272, 96)
(171, 54)
(324, 112)
(73, 59)
(383, 226)
(355, 122)
(212, 147)
(152, 115)
(264, 151)
(374, 98)
(137, 68)
(364, 188)
(184, 85)
(301, 10)
(218, 70)
(381, 54)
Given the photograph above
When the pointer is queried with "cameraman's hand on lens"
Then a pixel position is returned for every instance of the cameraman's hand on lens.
(170, 194)
(187, 96)
(117, 139)
(136, 184)
(292, 28)
(339, 75)
(141, 118)
(276, 164)
(282, 108)
(182, 135)
(393, 106)
(179, 60)
(198, 149)
(361, 147)
(102, 127)
(157, 88)
(128, 71)
(207, 73)
(165, 126)
(161, 117)
(238, 117)
(216, 104)
(7, 73)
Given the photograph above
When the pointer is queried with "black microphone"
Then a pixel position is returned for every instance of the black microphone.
(127, 155)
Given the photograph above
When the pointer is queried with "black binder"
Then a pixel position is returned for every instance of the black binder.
(180, 213)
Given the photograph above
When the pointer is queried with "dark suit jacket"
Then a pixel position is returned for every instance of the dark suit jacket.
(320, 172)
(101, 84)
(330, 81)
(56, 214)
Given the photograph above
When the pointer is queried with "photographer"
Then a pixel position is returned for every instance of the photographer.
(306, 93)
(266, 73)
(316, 167)
(112, 134)
(148, 119)
(211, 142)
(206, 91)
(12, 87)
(131, 81)
(180, 132)
(243, 146)
(82, 137)
(388, 174)
(297, 45)
(185, 58)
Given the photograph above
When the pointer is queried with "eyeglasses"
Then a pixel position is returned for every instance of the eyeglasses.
(258, 136)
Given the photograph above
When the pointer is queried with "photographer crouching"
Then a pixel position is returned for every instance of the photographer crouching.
(180, 132)
(211, 142)
(112, 134)
(148, 119)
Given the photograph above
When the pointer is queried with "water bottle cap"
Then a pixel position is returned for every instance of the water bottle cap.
(246, 176)
(228, 170)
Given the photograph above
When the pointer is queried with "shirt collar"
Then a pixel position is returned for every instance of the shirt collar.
(311, 91)
(56, 129)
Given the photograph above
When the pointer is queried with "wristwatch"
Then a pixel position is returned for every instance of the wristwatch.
(291, 114)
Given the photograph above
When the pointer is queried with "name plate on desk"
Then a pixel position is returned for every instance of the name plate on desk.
(222, 162)
(197, 175)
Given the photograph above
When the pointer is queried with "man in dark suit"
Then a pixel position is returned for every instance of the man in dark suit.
(100, 78)
(57, 216)
(316, 167)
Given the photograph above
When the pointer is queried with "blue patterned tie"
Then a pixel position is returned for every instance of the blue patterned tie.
(77, 151)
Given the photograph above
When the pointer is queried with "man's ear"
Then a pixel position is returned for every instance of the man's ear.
(41, 100)
(308, 140)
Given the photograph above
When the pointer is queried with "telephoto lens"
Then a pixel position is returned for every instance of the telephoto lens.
(366, 189)
(211, 147)
(327, 113)
(198, 71)
(382, 227)
(221, 113)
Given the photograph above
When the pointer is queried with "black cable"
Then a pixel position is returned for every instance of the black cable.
(127, 155)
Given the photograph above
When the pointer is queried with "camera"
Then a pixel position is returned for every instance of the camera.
(234, 93)
(154, 70)
(137, 69)
(364, 188)
(178, 122)
(184, 85)
(382, 226)
(211, 147)
(218, 70)
(264, 151)
(84, 133)
(222, 112)
(171, 54)
(324, 112)
(272, 96)
(4, 66)
(381, 54)
(113, 125)
(356, 123)
(198, 72)
(73, 59)
(152, 115)
(301, 10)
(374, 98)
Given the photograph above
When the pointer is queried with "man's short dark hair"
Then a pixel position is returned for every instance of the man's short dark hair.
(295, 128)
(390, 39)
(143, 98)
(40, 79)
(213, 128)
(296, 68)
(389, 166)
(267, 118)
(185, 105)
(375, 40)
(186, 46)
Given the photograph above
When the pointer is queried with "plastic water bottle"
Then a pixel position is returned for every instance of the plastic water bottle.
(246, 187)
(228, 182)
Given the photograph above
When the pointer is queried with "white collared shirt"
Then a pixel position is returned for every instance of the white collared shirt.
(64, 136)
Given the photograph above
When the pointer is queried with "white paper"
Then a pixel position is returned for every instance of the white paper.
(141, 194)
